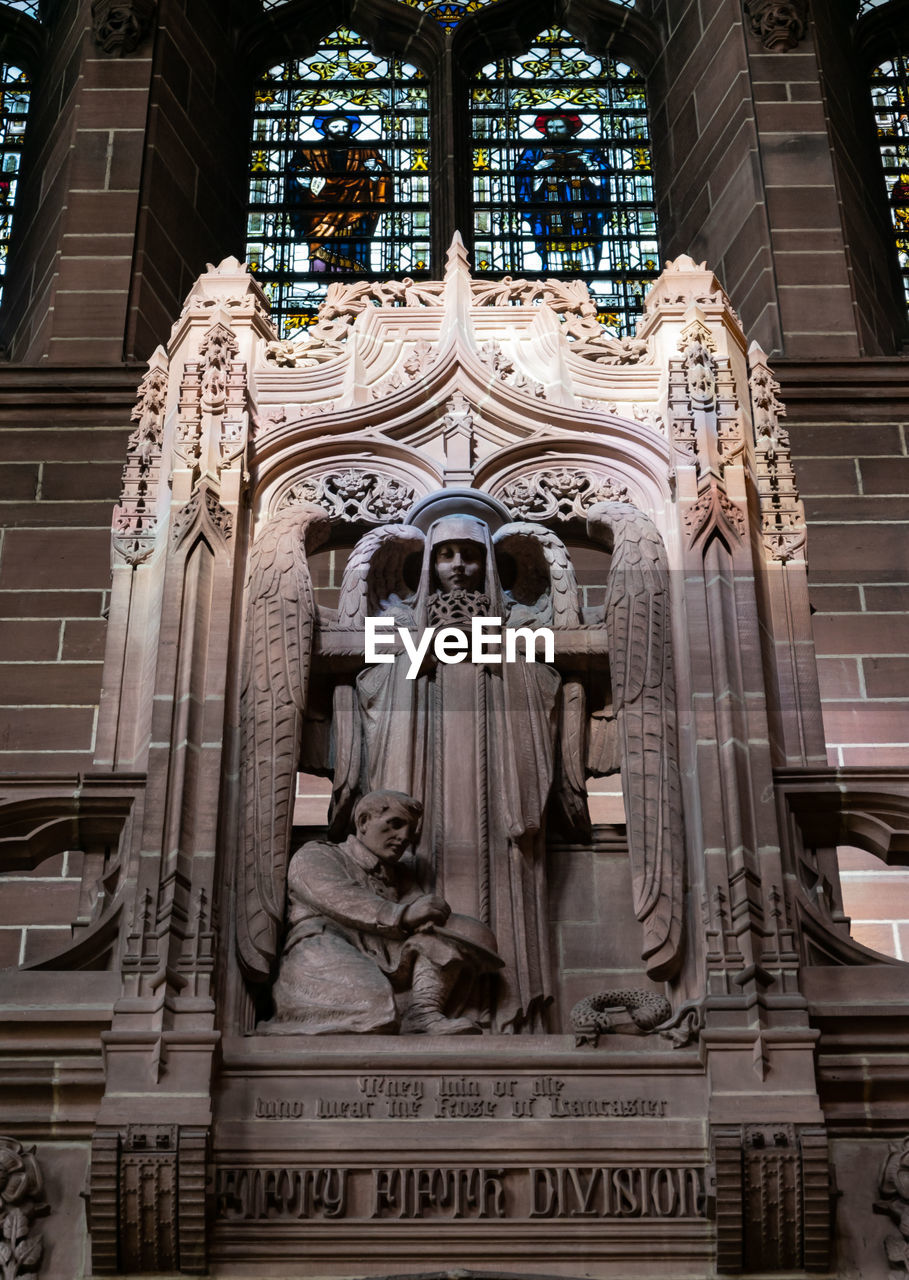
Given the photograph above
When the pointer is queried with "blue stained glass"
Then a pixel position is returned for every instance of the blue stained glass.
(24, 6)
(339, 174)
(14, 94)
(865, 6)
(890, 102)
(562, 179)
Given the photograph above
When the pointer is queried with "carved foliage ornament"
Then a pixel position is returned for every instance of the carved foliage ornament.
(778, 24)
(353, 495)
(203, 500)
(893, 1190)
(21, 1201)
(134, 521)
(570, 300)
(120, 26)
(560, 493)
(782, 515)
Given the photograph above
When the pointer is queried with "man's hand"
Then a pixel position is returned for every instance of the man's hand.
(427, 909)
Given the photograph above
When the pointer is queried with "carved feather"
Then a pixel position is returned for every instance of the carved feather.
(543, 568)
(280, 620)
(375, 570)
(643, 691)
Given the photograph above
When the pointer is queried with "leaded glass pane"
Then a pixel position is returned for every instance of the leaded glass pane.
(889, 96)
(24, 6)
(447, 12)
(14, 91)
(865, 6)
(562, 177)
(339, 175)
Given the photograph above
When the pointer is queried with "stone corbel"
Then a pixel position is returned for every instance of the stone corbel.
(778, 24)
(120, 26)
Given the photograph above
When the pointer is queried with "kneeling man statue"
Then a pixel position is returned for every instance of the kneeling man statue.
(366, 949)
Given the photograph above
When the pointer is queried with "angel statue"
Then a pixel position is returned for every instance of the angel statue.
(495, 752)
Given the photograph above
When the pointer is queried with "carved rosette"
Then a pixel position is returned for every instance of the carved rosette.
(134, 520)
(353, 496)
(560, 493)
(782, 513)
(778, 24)
(21, 1201)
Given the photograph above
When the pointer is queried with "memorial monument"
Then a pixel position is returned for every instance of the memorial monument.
(532, 993)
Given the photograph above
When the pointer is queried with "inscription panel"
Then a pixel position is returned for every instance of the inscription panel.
(459, 1096)
(265, 1193)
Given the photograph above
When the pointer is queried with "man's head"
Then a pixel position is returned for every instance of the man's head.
(387, 822)
(559, 126)
(338, 128)
(459, 565)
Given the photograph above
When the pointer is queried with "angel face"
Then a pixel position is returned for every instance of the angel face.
(459, 566)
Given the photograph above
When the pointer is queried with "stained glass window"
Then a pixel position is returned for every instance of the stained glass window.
(865, 6)
(562, 178)
(446, 12)
(890, 99)
(24, 6)
(14, 90)
(339, 176)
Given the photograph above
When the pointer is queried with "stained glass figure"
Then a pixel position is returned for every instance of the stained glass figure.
(339, 176)
(562, 179)
(890, 99)
(14, 92)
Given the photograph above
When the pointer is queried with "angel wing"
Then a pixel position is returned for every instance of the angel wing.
(543, 568)
(280, 620)
(375, 570)
(643, 691)
(546, 592)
